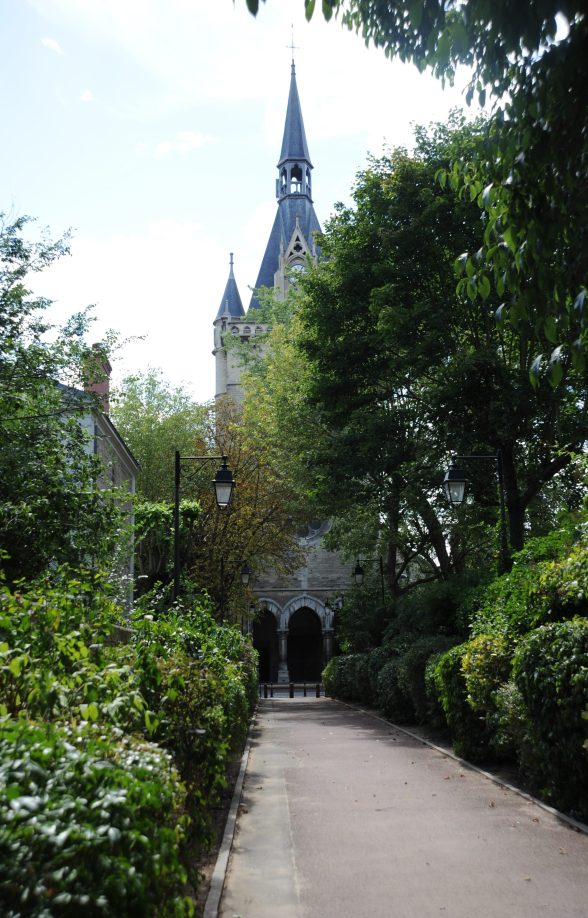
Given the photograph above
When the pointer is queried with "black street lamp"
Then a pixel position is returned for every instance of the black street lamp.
(245, 574)
(359, 573)
(454, 485)
(224, 484)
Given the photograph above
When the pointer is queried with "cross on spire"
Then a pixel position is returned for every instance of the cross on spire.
(292, 46)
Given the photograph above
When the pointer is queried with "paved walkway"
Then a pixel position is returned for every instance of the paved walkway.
(343, 816)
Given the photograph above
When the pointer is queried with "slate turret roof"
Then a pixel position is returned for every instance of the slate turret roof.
(231, 304)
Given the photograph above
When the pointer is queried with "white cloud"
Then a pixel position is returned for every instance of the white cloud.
(52, 44)
(87, 96)
(165, 284)
(183, 142)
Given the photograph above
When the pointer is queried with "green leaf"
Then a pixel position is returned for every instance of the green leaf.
(441, 177)
(550, 329)
(253, 6)
(509, 238)
(578, 356)
(309, 9)
(484, 287)
(535, 370)
(486, 195)
(15, 666)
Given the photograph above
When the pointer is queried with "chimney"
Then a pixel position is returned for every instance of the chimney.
(98, 370)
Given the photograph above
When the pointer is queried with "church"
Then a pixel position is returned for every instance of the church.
(294, 629)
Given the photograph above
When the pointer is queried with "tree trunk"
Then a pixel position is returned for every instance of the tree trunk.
(515, 506)
(436, 534)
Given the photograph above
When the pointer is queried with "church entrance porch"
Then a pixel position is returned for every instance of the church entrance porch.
(265, 641)
(305, 646)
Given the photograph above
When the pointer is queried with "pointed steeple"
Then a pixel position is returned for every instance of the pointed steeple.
(231, 305)
(294, 145)
(294, 166)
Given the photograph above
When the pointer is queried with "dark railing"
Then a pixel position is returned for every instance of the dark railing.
(289, 689)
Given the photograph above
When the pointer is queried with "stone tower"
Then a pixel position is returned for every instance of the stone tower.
(294, 632)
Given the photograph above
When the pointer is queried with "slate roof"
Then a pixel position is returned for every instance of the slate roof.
(290, 207)
(231, 304)
(294, 145)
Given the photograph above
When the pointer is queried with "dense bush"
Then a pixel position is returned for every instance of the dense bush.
(550, 670)
(390, 699)
(183, 681)
(470, 735)
(56, 659)
(411, 672)
(346, 677)
(548, 582)
(90, 820)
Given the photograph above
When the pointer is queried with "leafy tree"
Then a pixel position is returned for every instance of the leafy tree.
(531, 180)
(155, 419)
(381, 372)
(51, 511)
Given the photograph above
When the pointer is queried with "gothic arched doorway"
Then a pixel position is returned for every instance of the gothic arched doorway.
(305, 646)
(265, 641)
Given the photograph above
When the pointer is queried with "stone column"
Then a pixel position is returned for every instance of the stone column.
(327, 645)
(283, 674)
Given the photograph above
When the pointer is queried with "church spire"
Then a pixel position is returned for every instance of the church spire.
(294, 166)
(292, 237)
(231, 305)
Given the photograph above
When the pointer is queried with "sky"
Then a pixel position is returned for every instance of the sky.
(152, 130)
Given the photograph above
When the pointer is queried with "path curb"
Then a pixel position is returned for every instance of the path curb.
(222, 861)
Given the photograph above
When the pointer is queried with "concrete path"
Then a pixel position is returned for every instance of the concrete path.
(343, 816)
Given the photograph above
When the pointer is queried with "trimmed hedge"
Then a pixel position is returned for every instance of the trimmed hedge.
(89, 819)
(184, 682)
(550, 670)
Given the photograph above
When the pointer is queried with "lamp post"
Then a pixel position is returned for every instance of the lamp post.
(223, 488)
(359, 573)
(454, 485)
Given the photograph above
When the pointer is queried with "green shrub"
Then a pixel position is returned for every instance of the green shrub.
(548, 582)
(329, 677)
(201, 680)
(377, 659)
(340, 676)
(90, 820)
(470, 734)
(550, 670)
(509, 722)
(56, 661)
(486, 666)
(411, 672)
(435, 716)
(390, 699)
